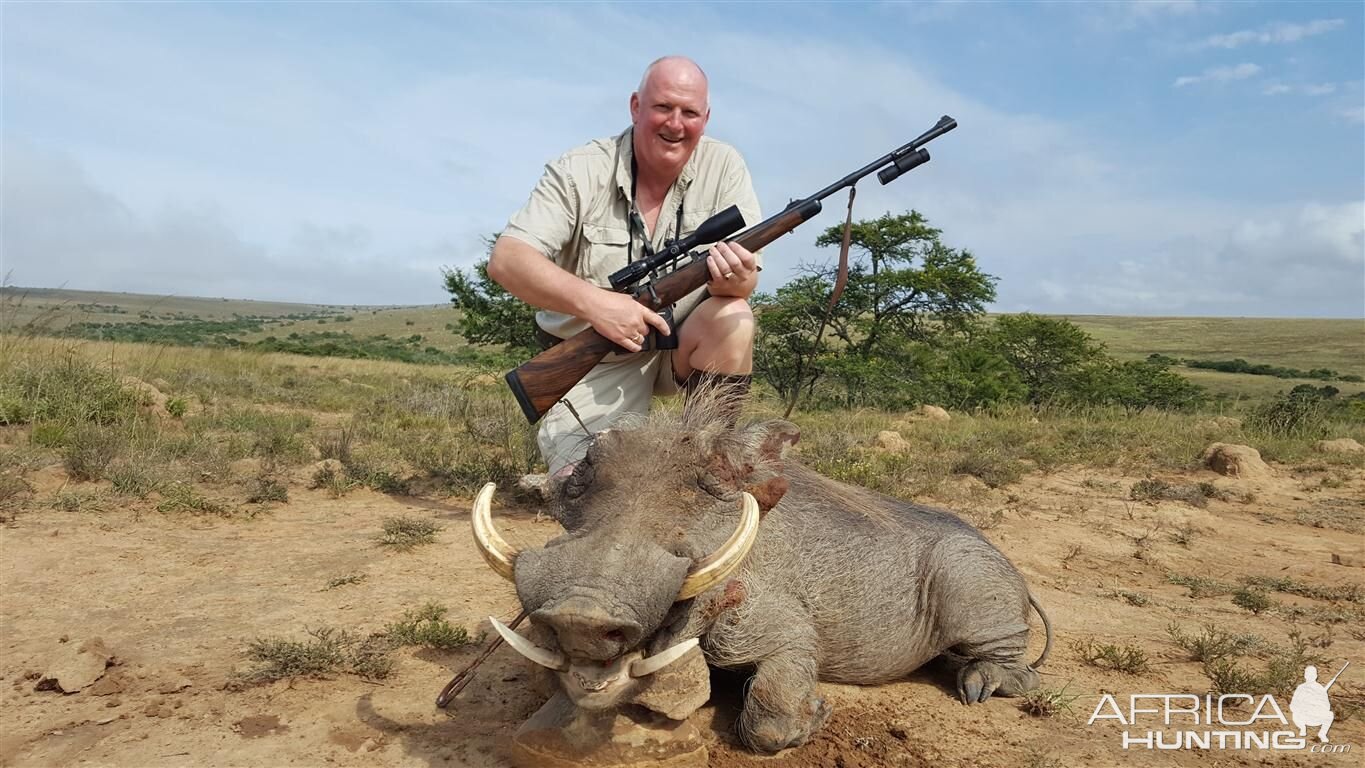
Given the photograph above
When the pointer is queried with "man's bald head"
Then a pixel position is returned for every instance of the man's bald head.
(674, 69)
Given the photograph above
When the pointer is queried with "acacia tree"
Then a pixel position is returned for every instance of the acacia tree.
(489, 314)
(905, 289)
(1050, 354)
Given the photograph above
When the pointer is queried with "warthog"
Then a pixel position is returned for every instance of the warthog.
(679, 532)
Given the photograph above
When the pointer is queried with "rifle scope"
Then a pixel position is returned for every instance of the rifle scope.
(716, 228)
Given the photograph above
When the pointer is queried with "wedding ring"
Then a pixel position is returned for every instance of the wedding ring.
(729, 275)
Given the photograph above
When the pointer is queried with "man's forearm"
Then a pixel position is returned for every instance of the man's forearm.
(536, 280)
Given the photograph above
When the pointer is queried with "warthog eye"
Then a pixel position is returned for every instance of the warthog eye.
(615, 636)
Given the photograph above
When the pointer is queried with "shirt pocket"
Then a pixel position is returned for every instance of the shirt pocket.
(604, 250)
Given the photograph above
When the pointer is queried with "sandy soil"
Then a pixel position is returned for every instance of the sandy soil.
(178, 598)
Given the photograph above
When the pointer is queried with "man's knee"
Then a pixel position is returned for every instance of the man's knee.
(719, 336)
(723, 322)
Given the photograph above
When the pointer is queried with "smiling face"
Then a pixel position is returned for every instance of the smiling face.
(669, 113)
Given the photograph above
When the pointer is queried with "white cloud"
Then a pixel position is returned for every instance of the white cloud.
(1273, 34)
(1235, 263)
(1219, 75)
(1355, 115)
(1307, 89)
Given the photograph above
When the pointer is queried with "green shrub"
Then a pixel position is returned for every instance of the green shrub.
(1212, 643)
(427, 626)
(182, 497)
(1129, 659)
(64, 389)
(403, 533)
(325, 652)
(88, 450)
(1300, 413)
(265, 489)
(1253, 600)
(130, 480)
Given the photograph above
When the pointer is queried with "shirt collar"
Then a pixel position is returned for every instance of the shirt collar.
(625, 153)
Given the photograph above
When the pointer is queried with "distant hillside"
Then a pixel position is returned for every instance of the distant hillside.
(426, 333)
(1296, 343)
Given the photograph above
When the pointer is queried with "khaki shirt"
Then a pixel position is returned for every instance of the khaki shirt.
(578, 214)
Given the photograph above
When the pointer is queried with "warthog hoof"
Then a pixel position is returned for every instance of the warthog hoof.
(980, 679)
(771, 733)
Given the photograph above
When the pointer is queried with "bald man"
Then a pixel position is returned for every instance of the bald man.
(610, 202)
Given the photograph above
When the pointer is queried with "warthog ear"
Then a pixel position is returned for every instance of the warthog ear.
(778, 436)
(752, 461)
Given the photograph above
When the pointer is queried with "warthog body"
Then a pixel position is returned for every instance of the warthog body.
(841, 584)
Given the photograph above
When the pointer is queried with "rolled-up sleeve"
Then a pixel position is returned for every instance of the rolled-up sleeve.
(547, 221)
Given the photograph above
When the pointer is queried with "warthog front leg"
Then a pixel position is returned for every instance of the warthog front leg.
(781, 708)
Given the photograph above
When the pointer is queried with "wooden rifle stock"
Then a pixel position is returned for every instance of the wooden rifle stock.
(540, 382)
(545, 378)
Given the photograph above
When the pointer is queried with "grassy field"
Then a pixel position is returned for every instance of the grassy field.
(1294, 343)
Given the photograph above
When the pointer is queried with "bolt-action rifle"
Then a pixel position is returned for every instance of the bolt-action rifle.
(678, 270)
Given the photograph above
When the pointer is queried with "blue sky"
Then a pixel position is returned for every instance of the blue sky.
(1153, 158)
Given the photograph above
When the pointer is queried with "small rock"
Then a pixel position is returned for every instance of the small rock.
(679, 689)
(888, 440)
(930, 413)
(1340, 445)
(108, 685)
(1241, 461)
(174, 685)
(1350, 561)
(368, 745)
(899, 731)
(106, 720)
(76, 667)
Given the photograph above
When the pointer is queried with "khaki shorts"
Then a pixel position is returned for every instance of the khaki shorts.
(620, 386)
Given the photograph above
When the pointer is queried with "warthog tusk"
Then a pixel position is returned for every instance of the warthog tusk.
(541, 656)
(720, 564)
(496, 552)
(647, 667)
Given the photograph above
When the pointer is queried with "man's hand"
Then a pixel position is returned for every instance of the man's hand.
(734, 271)
(623, 321)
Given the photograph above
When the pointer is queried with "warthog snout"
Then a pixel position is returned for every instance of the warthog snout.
(587, 631)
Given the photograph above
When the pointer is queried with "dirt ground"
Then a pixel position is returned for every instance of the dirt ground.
(177, 599)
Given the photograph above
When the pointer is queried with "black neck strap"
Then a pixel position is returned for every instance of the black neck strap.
(634, 220)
